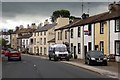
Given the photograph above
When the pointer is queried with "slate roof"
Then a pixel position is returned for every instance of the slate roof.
(25, 36)
(46, 27)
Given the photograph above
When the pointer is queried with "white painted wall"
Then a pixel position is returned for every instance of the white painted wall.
(27, 45)
(113, 36)
(75, 40)
(87, 38)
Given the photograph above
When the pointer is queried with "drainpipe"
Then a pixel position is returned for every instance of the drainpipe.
(93, 36)
(108, 37)
(82, 42)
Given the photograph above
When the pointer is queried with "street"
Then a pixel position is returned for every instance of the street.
(35, 67)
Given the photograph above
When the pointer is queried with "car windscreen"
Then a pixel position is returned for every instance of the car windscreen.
(12, 51)
(96, 54)
(60, 49)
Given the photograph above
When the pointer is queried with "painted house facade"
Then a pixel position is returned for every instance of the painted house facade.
(39, 40)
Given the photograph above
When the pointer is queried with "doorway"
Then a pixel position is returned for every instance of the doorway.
(75, 56)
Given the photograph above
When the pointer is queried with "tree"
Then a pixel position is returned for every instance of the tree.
(10, 31)
(3, 42)
(58, 13)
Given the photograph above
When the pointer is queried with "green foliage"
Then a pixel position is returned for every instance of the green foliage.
(3, 42)
(58, 13)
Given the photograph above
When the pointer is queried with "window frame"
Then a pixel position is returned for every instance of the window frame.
(117, 25)
(101, 27)
(117, 41)
(79, 31)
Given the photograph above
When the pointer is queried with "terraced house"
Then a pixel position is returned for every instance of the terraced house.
(39, 40)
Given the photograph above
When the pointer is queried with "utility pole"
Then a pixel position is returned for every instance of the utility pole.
(82, 6)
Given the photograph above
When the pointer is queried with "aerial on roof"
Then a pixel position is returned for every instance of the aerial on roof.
(46, 27)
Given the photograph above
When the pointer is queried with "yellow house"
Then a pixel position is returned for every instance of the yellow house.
(101, 36)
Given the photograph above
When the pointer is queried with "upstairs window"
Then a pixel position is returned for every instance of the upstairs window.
(71, 33)
(102, 46)
(102, 28)
(66, 34)
(117, 25)
(89, 29)
(78, 31)
(45, 33)
(117, 48)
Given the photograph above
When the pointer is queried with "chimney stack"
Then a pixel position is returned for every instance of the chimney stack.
(46, 22)
(114, 7)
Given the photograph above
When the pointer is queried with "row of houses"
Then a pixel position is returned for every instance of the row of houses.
(97, 32)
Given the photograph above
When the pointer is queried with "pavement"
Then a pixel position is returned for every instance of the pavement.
(111, 70)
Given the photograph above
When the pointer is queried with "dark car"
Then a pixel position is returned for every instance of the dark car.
(13, 54)
(93, 57)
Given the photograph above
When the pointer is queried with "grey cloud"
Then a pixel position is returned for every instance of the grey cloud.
(13, 9)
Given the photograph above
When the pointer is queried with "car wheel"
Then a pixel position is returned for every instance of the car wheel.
(55, 59)
(67, 59)
(49, 58)
(88, 62)
(105, 64)
(9, 59)
(19, 58)
(85, 62)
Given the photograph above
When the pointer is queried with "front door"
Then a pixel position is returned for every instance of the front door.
(75, 56)
(85, 50)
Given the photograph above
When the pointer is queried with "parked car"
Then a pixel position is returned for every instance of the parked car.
(93, 57)
(111, 57)
(13, 54)
(58, 51)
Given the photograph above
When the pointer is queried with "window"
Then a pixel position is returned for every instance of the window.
(71, 33)
(89, 29)
(41, 33)
(117, 47)
(89, 46)
(41, 50)
(78, 31)
(34, 49)
(102, 28)
(78, 48)
(23, 42)
(34, 34)
(45, 51)
(40, 41)
(45, 33)
(61, 35)
(38, 33)
(34, 41)
(71, 47)
(58, 35)
(102, 46)
(27, 42)
(66, 34)
(117, 25)
(44, 41)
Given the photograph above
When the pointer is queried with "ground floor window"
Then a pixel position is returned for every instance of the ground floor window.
(102, 46)
(40, 50)
(78, 48)
(35, 50)
(72, 47)
(117, 47)
(45, 51)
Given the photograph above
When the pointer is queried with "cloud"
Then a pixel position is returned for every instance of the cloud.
(39, 11)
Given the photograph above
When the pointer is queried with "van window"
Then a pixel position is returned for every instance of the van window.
(60, 49)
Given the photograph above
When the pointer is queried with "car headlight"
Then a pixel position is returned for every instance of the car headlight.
(105, 58)
(92, 58)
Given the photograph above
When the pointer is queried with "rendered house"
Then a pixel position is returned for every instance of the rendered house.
(39, 40)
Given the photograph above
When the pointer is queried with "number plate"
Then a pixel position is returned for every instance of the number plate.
(99, 60)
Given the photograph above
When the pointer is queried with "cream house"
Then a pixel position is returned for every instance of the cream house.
(40, 38)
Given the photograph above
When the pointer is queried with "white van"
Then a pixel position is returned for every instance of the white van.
(58, 51)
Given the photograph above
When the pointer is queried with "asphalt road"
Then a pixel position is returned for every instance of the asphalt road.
(35, 67)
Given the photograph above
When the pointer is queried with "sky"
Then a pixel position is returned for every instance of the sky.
(23, 13)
